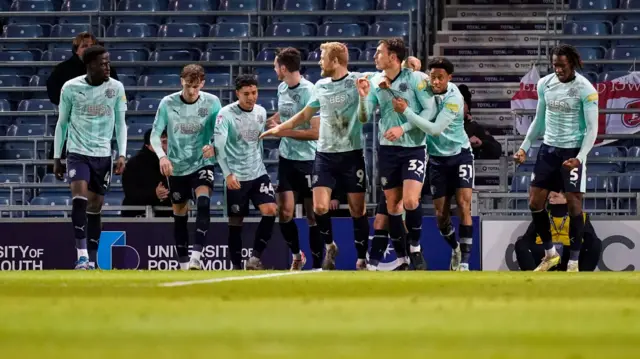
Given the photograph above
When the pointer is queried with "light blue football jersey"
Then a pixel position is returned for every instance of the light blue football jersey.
(290, 102)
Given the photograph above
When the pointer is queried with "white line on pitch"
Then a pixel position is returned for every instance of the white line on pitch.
(230, 279)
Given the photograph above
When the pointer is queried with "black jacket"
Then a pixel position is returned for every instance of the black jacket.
(490, 148)
(65, 71)
(139, 181)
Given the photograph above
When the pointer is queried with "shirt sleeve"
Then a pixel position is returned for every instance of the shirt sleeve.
(425, 97)
(313, 100)
(590, 112)
(121, 125)
(451, 109)
(211, 124)
(220, 142)
(64, 113)
(538, 125)
(159, 125)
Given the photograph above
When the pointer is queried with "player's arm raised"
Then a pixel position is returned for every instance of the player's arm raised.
(298, 119)
(121, 130)
(64, 112)
(308, 134)
(537, 126)
(420, 88)
(368, 100)
(590, 113)
(453, 104)
(159, 125)
(220, 140)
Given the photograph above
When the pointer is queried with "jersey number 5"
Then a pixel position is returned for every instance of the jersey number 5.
(573, 175)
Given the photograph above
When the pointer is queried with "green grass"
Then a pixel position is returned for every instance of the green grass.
(327, 315)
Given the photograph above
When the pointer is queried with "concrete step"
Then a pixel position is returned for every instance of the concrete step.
(503, 49)
(492, 65)
(462, 11)
(473, 37)
(504, 2)
(498, 24)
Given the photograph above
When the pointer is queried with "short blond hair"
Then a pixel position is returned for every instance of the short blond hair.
(336, 50)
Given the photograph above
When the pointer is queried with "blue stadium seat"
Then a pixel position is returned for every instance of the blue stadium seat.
(140, 5)
(127, 81)
(626, 184)
(622, 53)
(389, 29)
(590, 53)
(81, 5)
(70, 30)
(141, 119)
(18, 151)
(397, 5)
(603, 153)
(627, 27)
(11, 81)
(520, 183)
(611, 75)
(269, 103)
(339, 29)
(27, 130)
(634, 152)
(312, 74)
(631, 5)
(31, 5)
(218, 79)
(266, 77)
(187, 6)
(128, 55)
(589, 5)
(368, 54)
(52, 200)
(587, 28)
(217, 203)
(50, 178)
(180, 30)
(239, 5)
(292, 29)
(57, 55)
(36, 81)
(5, 105)
(229, 29)
(11, 178)
(348, 5)
(266, 55)
(147, 104)
(138, 129)
(159, 80)
(131, 30)
(36, 105)
(299, 5)
(22, 30)
(16, 56)
(173, 55)
(223, 55)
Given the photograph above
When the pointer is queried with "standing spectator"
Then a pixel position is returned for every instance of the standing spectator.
(484, 146)
(142, 181)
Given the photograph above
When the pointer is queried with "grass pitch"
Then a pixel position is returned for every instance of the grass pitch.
(328, 315)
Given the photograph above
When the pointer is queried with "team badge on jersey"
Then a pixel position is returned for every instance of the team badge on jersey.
(110, 93)
(203, 112)
(349, 83)
(261, 119)
(422, 85)
(296, 97)
(403, 87)
(573, 92)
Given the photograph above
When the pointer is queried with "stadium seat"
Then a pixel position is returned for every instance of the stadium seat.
(188, 6)
(312, 74)
(57, 55)
(159, 81)
(397, 5)
(590, 53)
(70, 30)
(31, 5)
(348, 5)
(11, 81)
(173, 55)
(36, 105)
(131, 30)
(218, 80)
(128, 55)
(587, 28)
(266, 55)
(590, 5)
(5, 106)
(138, 129)
(27, 130)
(217, 204)
(239, 5)
(269, 103)
(22, 30)
(140, 5)
(224, 55)
(628, 184)
(81, 5)
(147, 104)
(18, 151)
(631, 5)
(288, 29)
(16, 56)
(634, 152)
(267, 77)
(228, 29)
(520, 183)
(140, 119)
(596, 156)
(52, 200)
(299, 5)
(622, 53)
(51, 179)
(180, 30)
(627, 27)
(338, 29)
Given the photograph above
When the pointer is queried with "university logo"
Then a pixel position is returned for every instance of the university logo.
(114, 239)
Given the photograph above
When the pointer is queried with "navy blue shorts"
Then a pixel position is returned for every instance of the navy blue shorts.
(295, 176)
(258, 191)
(550, 174)
(182, 188)
(96, 171)
(343, 169)
(397, 164)
(449, 173)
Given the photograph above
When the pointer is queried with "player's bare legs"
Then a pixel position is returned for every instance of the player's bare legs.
(537, 202)
(286, 203)
(357, 208)
(576, 229)
(443, 218)
(321, 200)
(94, 225)
(411, 194)
(263, 235)
(315, 242)
(79, 205)
(465, 230)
